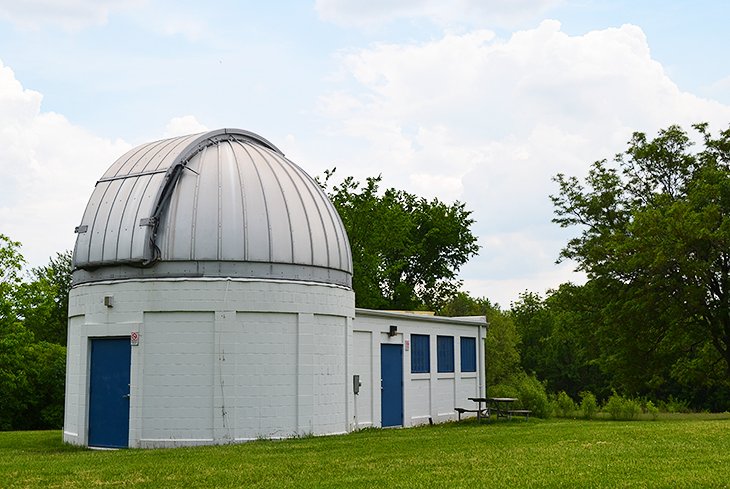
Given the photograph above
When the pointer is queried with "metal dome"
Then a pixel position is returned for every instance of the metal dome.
(225, 203)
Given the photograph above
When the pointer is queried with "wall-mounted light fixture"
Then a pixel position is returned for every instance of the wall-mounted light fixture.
(393, 330)
(109, 300)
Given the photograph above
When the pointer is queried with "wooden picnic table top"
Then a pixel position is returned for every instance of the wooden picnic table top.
(493, 399)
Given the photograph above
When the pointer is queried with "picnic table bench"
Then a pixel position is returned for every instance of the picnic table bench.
(461, 411)
(519, 412)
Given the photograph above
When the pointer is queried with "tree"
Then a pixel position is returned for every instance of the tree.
(558, 339)
(463, 304)
(655, 240)
(503, 357)
(32, 372)
(11, 264)
(406, 250)
(32, 380)
(44, 300)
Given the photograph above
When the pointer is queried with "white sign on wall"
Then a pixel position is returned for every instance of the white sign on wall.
(134, 338)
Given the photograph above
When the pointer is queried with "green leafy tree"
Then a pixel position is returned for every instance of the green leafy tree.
(463, 304)
(535, 323)
(11, 265)
(32, 372)
(32, 380)
(44, 300)
(655, 240)
(558, 339)
(406, 250)
(503, 357)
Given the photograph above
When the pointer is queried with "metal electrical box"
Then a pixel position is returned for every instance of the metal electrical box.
(356, 384)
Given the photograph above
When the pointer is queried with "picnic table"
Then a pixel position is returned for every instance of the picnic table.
(499, 405)
(480, 410)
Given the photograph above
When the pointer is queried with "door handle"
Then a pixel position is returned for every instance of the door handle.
(125, 396)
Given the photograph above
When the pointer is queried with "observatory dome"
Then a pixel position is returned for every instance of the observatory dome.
(225, 203)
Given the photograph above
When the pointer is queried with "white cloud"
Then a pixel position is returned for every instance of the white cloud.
(720, 89)
(506, 291)
(193, 29)
(168, 19)
(373, 12)
(75, 15)
(182, 126)
(49, 169)
(490, 121)
(67, 14)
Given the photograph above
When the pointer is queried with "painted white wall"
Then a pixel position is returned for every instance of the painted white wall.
(363, 364)
(218, 361)
(223, 361)
(428, 397)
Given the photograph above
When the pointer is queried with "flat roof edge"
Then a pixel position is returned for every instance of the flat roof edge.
(463, 320)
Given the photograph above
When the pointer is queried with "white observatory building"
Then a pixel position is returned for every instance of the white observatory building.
(212, 303)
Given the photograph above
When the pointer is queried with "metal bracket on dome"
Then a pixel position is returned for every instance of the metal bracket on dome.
(173, 173)
(129, 175)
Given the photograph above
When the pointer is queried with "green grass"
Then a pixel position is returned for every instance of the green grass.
(671, 452)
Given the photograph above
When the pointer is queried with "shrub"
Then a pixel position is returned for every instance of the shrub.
(630, 409)
(619, 407)
(588, 404)
(529, 391)
(652, 410)
(564, 405)
(503, 390)
(613, 406)
(532, 395)
(674, 405)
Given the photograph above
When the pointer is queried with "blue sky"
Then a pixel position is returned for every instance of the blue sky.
(477, 101)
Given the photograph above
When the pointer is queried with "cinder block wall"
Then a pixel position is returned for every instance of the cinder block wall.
(427, 397)
(218, 361)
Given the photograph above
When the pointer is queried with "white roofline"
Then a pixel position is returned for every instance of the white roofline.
(463, 320)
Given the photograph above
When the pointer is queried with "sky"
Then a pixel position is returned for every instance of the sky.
(476, 101)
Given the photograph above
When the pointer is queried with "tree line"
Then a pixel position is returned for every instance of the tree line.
(654, 239)
(652, 320)
(33, 316)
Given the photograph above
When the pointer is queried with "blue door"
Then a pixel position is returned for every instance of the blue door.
(391, 385)
(109, 392)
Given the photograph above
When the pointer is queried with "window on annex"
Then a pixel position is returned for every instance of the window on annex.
(420, 354)
(468, 354)
(445, 353)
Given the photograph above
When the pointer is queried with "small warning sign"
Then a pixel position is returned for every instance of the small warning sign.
(134, 338)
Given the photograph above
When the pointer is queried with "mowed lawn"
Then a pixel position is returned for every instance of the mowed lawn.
(680, 452)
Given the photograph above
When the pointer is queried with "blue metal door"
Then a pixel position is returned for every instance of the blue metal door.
(109, 392)
(391, 385)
